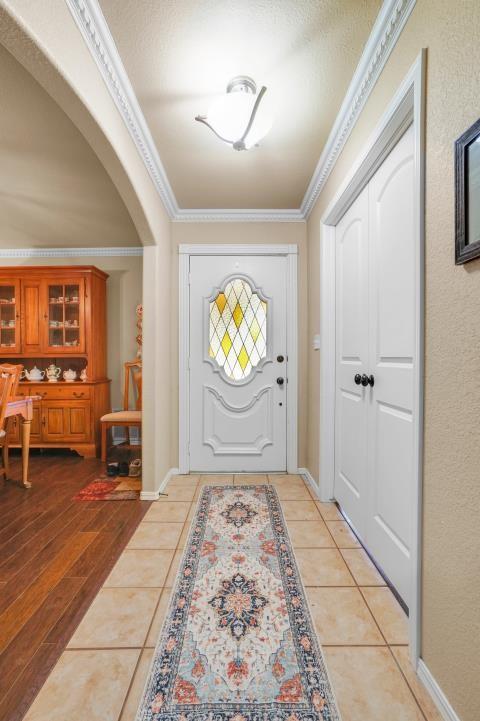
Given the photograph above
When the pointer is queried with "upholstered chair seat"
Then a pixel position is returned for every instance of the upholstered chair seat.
(123, 416)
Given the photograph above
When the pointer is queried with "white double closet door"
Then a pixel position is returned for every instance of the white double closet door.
(376, 362)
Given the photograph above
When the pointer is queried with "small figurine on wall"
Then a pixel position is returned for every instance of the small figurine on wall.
(139, 313)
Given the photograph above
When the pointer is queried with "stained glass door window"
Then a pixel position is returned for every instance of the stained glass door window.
(238, 329)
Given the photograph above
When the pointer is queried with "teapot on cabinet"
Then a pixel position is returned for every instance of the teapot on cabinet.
(53, 373)
(35, 375)
(70, 375)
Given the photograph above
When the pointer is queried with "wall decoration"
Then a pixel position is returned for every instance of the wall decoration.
(138, 338)
(467, 195)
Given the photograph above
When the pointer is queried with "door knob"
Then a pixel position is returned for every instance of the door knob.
(280, 358)
(367, 380)
(358, 379)
(280, 381)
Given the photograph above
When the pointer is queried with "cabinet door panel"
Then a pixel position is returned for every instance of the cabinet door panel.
(15, 428)
(36, 427)
(32, 317)
(54, 422)
(64, 421)
(9, 317)
(64, 300)
(79, 421)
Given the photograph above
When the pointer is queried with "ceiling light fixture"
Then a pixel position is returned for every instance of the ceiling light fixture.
(238, 118)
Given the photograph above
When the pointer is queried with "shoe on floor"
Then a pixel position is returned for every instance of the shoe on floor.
(135, 469)
(123, 469)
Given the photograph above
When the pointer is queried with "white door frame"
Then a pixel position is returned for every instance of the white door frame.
(290, 252)
(406, 108)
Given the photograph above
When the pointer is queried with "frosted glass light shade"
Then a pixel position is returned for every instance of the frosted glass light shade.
(229, 116)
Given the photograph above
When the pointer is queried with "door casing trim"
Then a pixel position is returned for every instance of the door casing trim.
(290, 252)
(406, 108)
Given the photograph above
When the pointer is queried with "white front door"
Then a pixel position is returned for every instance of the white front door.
(238, 363)
(376, 360)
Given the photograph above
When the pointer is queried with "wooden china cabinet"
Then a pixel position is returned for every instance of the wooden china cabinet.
(57, 315)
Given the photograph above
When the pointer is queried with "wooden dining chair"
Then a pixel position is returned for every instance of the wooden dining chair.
(125, 418)
(9, 380)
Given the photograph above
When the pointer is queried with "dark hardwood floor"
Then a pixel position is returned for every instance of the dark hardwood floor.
(55, 554)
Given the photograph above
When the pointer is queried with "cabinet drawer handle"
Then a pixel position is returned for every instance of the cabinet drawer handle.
(78, 395)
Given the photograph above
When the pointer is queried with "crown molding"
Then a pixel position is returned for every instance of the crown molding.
(237, 249)
(387, 28)
(243, 215)
(385, 33)
(93, 26)
(70, 252)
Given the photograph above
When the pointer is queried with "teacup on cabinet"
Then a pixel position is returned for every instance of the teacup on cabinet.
(70, 375)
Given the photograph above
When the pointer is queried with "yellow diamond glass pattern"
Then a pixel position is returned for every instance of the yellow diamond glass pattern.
(221, 301)
(238, 329)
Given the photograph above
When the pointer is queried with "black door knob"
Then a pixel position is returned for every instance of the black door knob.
(366, 380)
(280, 358)
(358, 379)
(280, 381)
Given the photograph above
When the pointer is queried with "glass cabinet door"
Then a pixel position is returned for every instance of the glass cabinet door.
(9, 317)
(65, 318)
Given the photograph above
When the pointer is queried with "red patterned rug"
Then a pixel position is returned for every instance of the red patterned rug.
(104, 489)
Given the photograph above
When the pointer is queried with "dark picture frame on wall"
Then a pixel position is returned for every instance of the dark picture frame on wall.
(467, 195)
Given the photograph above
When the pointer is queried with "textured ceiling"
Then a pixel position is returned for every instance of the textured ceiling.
(180, 54)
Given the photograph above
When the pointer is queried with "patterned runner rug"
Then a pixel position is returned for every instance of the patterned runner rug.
(238, 643)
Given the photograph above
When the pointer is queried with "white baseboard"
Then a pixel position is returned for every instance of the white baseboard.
(310, 480)
(440, 700)
(153, 495)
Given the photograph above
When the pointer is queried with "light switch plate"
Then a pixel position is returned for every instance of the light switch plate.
(316, 342)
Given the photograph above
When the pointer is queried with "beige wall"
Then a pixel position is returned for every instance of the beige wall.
(255, 233)
(124, 292)
(61, 62)
(53, 189)
(451, 544)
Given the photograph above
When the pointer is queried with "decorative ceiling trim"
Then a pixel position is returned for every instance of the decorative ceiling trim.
(385, 33)
(242, 215)
(70, 252)
(387, 28)
(93, 26)
(237, 249)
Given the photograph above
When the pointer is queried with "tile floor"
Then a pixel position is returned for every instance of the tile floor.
(360, 625)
